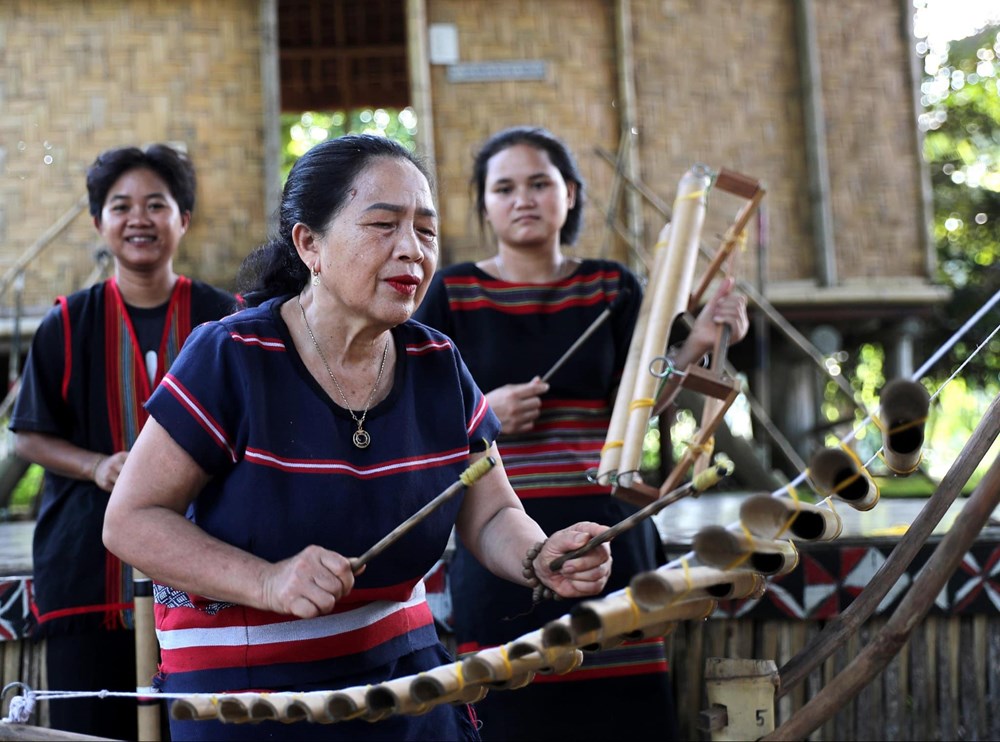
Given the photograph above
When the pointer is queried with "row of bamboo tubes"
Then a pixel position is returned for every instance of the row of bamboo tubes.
(652, 605)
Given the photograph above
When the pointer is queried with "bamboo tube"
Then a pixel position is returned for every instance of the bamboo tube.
(515, 682)
(239, 708)
(394, 697)
(698, 611)
(147, 657)
(674, 273)
(833, 471)
(494, 668)
(663, 587)
(446, 684)
(312, 705)
(278, 706)
(718, 547)
(545, 659)
(195, 707)
(607, 469)
(513, 665)
(619, 618)
(776, 517)
(903, 407)
(350, 703)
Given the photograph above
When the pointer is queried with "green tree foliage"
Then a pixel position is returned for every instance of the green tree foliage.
(300, 131)
(961, 99)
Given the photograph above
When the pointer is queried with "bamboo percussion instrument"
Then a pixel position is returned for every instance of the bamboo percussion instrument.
(903, 407)
(719, 547)
(466, 479)
(833, 471)
(664, 587)
(776, 517)
(603, 317)
(671, 279)
(709, 478)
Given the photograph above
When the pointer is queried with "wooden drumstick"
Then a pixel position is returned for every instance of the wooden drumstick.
(601, 319)
(466, 479)
(708, 478)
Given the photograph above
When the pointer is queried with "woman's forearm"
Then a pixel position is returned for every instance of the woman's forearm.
(172, 550)
(504, 541)
(57, 455)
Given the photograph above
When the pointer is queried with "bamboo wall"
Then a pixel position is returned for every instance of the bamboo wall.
(717, 82)
(77, 78)
(576, 100)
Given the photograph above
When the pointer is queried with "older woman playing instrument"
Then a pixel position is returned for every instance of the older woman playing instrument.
(94, 360)
(513, 315)
(296, 434)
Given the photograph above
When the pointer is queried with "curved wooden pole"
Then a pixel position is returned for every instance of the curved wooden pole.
(911, 611)
(849, 620)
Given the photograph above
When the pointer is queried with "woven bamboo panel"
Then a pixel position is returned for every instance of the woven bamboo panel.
(717, 82)
(576, 101)
(78, 78)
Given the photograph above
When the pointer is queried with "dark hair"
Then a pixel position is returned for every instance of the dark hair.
(559, 154)
(173, 166)
(315, 192)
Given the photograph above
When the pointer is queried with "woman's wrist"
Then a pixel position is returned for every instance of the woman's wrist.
(93, 467)
(539, 592)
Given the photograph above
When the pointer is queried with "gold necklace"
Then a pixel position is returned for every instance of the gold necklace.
(361, 437)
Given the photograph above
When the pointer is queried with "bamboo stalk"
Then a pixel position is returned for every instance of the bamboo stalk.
(674, 274)
(607, 469)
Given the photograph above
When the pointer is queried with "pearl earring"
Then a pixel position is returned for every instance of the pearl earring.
(315, 277)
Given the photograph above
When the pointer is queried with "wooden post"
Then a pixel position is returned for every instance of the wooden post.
(147, 657)
(741, 698)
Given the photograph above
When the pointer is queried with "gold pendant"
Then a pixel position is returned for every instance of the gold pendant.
(361, 438)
